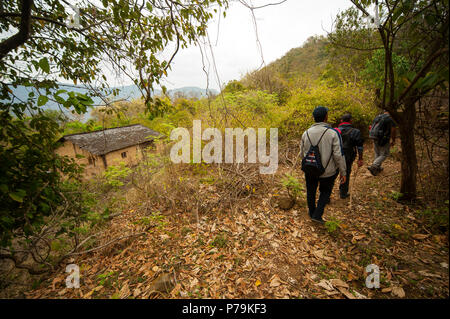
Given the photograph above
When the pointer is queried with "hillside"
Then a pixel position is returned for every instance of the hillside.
(309, 59)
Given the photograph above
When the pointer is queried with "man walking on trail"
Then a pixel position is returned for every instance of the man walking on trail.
(381, 130)
(352, 143)
(322, 161)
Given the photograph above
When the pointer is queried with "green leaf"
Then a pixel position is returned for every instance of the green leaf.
(42, 100)
(43, 63)
(4, 188)
(18, 196)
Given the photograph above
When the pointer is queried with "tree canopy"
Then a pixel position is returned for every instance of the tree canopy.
(46, 42)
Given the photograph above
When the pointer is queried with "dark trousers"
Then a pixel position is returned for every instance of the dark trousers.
(325, 188)
(343, 188)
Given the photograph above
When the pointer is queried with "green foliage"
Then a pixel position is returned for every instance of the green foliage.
(308, 60)
(255, 108)
(267, 80)
(395, 195)
(155, 219)
(30, 183)
(220, 241)
(437, 219)
(107, 279)
(339, 100)
(374, 72)
(332, 225)
(294, 187)
(234, 86)
(116, 174)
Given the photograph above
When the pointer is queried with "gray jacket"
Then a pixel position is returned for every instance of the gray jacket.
(330, 146)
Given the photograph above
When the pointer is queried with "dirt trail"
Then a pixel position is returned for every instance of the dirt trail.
(265, 252)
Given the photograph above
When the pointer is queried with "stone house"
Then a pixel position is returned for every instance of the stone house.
(108, 147)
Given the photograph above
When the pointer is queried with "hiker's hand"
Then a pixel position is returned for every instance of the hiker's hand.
(360, 163)
(343, 179)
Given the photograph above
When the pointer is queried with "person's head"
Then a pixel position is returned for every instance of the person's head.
(320, 114)
(347, 117)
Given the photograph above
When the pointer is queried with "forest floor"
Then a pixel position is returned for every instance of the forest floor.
(259, 251)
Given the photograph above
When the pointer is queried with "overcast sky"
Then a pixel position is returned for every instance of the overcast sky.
(280, 28)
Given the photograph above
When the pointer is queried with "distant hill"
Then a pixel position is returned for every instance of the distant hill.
(191, 92)
(311, 58)
(128, 92)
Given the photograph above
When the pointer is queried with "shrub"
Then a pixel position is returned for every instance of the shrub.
(294, 187)
(332, 225)
(115, 174)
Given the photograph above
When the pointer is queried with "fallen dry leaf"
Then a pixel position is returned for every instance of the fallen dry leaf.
(338, 283)
(55, 281)
(275, 281)
(398, 292)
(358, 295)
(175, 290)
(427, 274)
(136, 292)
(124, 292)
(325, 284)
(346, 293)
(420, 236)
(155, 269)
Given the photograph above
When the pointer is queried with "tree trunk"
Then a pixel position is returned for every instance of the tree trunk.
(409, 159)
(22, 35)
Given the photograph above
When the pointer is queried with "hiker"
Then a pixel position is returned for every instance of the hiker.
(352, 143)
(381, 130)
(322, 161)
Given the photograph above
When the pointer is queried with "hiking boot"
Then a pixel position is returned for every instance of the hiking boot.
(320, 221)
(345, 196)
(373, 170)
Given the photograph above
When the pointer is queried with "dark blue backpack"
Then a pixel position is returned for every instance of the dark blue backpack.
(312, 162)
(379, 131)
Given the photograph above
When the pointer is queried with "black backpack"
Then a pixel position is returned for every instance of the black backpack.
(380, 129)
(312, 162)
(347, 143)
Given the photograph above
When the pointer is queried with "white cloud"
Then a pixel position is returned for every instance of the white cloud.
(280, 28)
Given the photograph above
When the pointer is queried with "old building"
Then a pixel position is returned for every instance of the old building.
(108, 147)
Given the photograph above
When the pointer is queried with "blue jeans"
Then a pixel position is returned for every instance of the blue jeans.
(325, 188)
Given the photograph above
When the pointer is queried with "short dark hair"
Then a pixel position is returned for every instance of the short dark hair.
(318, 119)
(347, 117)
(320, 113)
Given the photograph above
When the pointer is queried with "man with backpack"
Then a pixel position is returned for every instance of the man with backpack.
(322, 161)
(381, 131)
(352, 143)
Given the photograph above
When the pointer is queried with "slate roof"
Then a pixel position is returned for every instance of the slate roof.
(112, 139)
